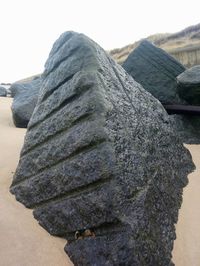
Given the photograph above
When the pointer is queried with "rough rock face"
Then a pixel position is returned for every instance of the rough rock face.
(155, 70)
(189, 85)
(25, 99)
(3, 92)
(187, 127)
(101, 165)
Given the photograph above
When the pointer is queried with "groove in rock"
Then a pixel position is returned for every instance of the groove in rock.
(85, 189)
(173, 62)
(70, 54)
(67, 101)
(61, 131)
(50, 92)
(88, 147)
(155, 64)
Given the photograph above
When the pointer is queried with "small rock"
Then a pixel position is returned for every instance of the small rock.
(189, 85)
(25, 99)
(3, 92)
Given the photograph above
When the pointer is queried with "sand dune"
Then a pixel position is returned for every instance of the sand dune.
(24, 243)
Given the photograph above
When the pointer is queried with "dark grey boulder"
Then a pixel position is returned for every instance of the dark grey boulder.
(3, 92)
(101, 165)
(187, 128)
(24, 102)
(156, 70)
(189, 85)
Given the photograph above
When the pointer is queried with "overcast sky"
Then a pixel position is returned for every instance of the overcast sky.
(29, 28)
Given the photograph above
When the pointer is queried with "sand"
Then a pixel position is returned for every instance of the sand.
(24, 243)
(187, 245)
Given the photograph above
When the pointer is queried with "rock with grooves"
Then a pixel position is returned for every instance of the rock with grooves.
(3, 92)
(189, 85)
(156, 71)
(101, 165)
(25, 99)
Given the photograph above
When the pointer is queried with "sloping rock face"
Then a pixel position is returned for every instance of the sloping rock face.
(24, 102)
(101, 165)
(3, 92)
(155, 70)
(189, 85)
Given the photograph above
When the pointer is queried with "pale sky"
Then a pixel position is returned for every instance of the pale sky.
(29, 28)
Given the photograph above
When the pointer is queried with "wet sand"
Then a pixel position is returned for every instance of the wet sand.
(24, 243)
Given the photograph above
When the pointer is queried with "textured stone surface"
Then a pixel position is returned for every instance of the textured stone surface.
(25, 99)
(100, 154)
(3, 92)
(189, 85)
(187, 128)
(155, 70)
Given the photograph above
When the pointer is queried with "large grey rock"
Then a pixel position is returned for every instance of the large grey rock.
(24, 102)
(101, 165)
(189, 85)
(156, 71)
(3, 92)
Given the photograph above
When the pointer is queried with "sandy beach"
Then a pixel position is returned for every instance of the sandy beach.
(25, 243)
(187, 245)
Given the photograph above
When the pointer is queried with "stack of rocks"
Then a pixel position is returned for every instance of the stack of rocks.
(168, 81)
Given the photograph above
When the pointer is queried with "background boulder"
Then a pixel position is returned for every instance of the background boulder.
(25, 99)
(156, 71)
(189, 85)
(3, 92)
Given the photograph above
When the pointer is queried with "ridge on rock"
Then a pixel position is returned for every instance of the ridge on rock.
(156, 70)
(101, 165)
